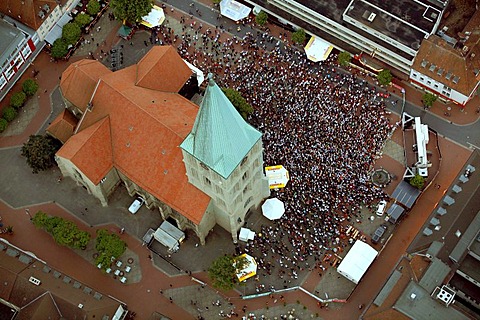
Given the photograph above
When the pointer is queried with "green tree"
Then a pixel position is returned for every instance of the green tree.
(82, 19)
(18, 99)
(216, 1)
(108, 245)
(261, 18)
(344, 58)
(9, 113)
(93, 7)
(3, 124)
(417, 181)
(428, 99)
(299, 36)
(238, 102)
(30, 87)
(384, 77)
(131, 10)
(40, 151)
(40, 220)
(64, 233)
(59, 49)
(71, 33)
(222, 273)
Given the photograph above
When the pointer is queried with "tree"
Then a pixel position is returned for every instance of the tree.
(71, 33)
(9, 114)
(384, 77)
(30, 87)
(344, 58)
(238, 102)
(428, 99)
(3, 124)
(417, 181)
(82, 19)
(18, 99)
(299, 36)
(40, 151)
(93, 7)
(261, 18)
(131, 10)
(222, 272)
(40, 220)
(108, 245)
(59, 49)
(216, 1)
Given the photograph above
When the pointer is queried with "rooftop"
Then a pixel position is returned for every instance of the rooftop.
(10, 37)
(29, 12)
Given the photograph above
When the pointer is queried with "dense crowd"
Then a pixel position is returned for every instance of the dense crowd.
(325, 126)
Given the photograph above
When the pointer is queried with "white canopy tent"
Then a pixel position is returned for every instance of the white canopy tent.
(273, 209)
(234, 10)
(277, 176)
(249, 270)
(246, 234)
(154, 18)
(357, 261)
(318, 49)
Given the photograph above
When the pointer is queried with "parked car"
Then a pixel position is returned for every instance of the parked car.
(378, 234)
(136, 205)
(381, 207)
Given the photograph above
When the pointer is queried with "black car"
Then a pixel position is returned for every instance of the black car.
(377, 235)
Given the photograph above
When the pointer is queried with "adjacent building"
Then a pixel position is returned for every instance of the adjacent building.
(200, 167)
(390, 31)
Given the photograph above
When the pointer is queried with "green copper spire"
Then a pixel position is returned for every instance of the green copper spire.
(220, 137)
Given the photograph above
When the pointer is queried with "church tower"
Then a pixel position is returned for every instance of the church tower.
(223, 157)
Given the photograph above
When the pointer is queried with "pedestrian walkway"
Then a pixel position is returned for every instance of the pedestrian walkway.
(394, 151)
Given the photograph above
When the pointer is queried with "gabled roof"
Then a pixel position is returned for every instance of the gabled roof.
(26, 11)
(79, 80)
(162, 69)
(91, 150)
(146, 128)
(62, 126)
(220, 137)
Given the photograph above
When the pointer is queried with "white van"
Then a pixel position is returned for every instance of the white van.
(381, 208)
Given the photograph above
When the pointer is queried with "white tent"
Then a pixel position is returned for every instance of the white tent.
(234, 10)
(154, 18)
(246, 234)
(317, 49)
(357, 261)
(277, 176)
(273, 209)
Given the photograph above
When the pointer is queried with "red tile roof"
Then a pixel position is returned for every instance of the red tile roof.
(26, 11)
(62, 126)
(91, 150)
(79, 80)
(147, 127)
(153, 68)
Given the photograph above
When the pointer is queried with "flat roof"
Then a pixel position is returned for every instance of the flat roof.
(416, 303)
(10, 38)
(387, 288)
(434, 276)
(466, 239)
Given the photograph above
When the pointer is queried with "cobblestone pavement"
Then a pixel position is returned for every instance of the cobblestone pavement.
(395, 151)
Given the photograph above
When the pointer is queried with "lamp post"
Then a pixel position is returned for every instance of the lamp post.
(27, 212)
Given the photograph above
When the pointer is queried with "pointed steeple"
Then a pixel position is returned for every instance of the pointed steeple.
(220, 137)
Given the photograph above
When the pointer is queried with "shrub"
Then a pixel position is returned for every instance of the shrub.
(384, 77)
(429, 99)
(30, 87)
(344, 58)
(261, 18)
(71, 33)
(417, 181)
(18, 99)
(3, 124)
(9, 113)
(82, 20)
(299, 36)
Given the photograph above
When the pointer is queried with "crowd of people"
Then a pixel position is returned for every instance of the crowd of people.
(325, 126)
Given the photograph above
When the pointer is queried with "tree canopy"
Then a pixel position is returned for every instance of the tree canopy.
(71, 32)
(131, 10)
(18, 99)
(429, 99)
(109, 245)
(261, 18)
(238, 102)
(384, 77)
(30, 87)
(3, 124)
(9, 114)
(93, 7)
(344, 58)
(417, 181)
(299, 36)
(40, 151)
(222, 272)
(82, 19)
(64, 232)
(59, 49)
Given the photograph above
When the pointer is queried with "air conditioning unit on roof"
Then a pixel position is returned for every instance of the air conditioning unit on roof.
(372, 16)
